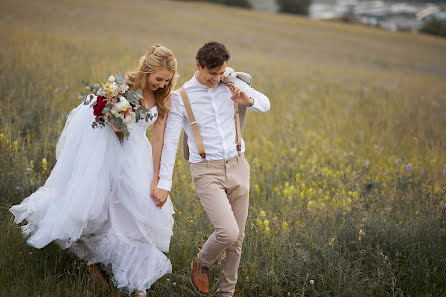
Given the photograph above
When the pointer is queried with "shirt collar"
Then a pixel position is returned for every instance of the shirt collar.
(194, 82)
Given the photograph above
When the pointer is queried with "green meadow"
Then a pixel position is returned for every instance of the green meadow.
(348, 168)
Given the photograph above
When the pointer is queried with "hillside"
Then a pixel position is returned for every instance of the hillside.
(264, 5)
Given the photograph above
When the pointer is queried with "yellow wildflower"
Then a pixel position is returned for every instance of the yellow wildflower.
(284, 226)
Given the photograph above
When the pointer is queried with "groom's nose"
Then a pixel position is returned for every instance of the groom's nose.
(217, 78)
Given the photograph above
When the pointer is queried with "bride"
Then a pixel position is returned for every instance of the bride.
(97, 200)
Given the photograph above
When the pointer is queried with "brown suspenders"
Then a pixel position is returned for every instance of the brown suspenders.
(238, 133)
(196, 131)
(193, 123)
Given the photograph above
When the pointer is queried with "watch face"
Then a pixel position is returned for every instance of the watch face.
(252, 101)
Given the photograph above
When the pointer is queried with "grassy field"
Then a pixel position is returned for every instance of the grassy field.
(348, 192)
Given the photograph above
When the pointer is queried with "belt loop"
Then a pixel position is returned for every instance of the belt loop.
(207, 163)
(238, 157)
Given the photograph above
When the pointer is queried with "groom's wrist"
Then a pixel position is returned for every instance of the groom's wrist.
(251, 102)
(164, 184)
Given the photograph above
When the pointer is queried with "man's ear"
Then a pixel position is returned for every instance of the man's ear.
(198, 65)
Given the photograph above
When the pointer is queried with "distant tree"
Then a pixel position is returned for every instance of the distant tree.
(349, 17)
(238, 3)
(435, 27)
(294, 6)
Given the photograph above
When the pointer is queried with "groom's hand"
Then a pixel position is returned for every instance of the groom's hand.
(238, 95)
(160, 197)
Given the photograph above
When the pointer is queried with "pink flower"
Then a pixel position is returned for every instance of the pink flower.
(127, 112)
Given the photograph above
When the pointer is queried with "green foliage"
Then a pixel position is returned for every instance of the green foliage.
(347, 184)
(294, 6)
(237, 3)
(134, 96)
(434, 27)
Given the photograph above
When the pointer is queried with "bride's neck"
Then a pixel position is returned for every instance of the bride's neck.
(148, 93)
(148, 97)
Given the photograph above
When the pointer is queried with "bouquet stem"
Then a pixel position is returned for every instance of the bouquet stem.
(120, 136)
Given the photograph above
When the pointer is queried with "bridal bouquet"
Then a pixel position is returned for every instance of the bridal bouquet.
(115, 105)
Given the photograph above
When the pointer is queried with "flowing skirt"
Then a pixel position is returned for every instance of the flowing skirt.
(96, 203)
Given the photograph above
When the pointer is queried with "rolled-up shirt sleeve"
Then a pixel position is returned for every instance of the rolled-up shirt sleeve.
(172, 133)
(261, 102)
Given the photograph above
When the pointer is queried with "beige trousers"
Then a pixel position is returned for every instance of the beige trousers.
(223, 188)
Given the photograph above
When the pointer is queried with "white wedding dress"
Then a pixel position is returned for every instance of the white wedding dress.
(96, 203)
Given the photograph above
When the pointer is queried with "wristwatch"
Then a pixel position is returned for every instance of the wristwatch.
(252, 102)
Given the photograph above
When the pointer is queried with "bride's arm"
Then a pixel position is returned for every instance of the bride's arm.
(157, 147)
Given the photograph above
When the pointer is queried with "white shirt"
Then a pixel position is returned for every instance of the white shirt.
(215, 116)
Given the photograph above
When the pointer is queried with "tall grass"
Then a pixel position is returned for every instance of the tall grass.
(348, 185)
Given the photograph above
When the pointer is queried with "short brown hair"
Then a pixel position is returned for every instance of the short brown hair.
(212, 54)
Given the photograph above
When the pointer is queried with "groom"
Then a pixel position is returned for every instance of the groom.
(218, 166)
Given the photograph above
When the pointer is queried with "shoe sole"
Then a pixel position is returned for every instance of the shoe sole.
(195, 289)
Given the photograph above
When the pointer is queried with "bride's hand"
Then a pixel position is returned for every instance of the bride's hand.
(160, 197)
(153, 187)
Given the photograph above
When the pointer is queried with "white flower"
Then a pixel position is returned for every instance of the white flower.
(122, 105)
(111, 89)
(114, 112)
(311, 282)
(111, 79)
(123, 88)
(100, 92)
(130, 120)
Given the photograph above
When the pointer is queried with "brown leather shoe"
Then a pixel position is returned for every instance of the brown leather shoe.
(98, 276)
(200, 278)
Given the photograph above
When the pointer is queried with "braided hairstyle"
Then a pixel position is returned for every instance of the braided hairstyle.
(156, 58)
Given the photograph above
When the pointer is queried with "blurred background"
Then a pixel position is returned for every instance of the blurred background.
(419, 16)
(348, 182)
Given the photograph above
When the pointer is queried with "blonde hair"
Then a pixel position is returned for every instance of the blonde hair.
(156, 58)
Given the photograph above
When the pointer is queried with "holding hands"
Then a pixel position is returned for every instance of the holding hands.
(159, 196)
(153, 187)
(239, 96)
